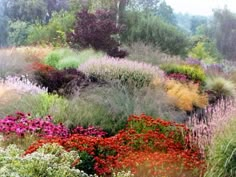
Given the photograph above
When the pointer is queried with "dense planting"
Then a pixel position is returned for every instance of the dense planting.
(116, 89)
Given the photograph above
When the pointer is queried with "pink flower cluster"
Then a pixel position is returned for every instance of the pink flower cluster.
(214, 120)
(90, 131)
(22, 124)
(179, 77)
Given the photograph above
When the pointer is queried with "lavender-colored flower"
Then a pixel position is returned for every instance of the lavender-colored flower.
(193, 61)
(215, 117)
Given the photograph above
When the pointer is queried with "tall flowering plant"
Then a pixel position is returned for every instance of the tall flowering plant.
(203, 128)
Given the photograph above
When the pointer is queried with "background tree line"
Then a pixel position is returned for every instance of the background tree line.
(27, 22)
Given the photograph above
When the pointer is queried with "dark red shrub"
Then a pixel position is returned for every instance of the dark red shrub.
(63, 82)
(97, 31)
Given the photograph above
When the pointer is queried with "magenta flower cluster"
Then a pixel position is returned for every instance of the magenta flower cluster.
(90, 131)
(22, 124)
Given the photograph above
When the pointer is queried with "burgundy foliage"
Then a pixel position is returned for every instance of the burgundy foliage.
(96, 31)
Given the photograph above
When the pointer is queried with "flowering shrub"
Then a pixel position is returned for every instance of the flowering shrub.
(138, 74)
(21, 124)
(143, 133)
(23, 84)
(49, 160)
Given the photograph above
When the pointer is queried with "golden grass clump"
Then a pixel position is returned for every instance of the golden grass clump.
(185, 96)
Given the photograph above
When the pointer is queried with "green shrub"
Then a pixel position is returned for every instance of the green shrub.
(75, 60)
(222, 153)
(221, 87)
(194, 73)
(18, 32)
(68, 62)
(200, 52)
(54, 32)
(66, 58)
(150, 29)
(55, 56)
(49, 160)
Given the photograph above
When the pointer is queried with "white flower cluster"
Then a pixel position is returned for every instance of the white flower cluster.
(50, 160)
(23, 84)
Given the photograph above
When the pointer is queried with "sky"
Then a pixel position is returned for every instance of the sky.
(200, 7)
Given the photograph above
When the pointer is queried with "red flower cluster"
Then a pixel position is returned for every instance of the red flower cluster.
(144, 139)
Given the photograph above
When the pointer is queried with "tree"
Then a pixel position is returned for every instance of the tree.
(96, 30)
(224, 31)
(3, 26)
(26, 10)
(197, 21)
(144, 5)
(166, 12)
(151, 29)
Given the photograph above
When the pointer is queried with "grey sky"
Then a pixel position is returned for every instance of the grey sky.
(200, 7)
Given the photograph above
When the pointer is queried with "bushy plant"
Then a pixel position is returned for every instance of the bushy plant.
(220, 87)
(185, 96)
(200, 52)
(54, 32)
(222, 152)
(150, 29)
(66, 58)
(143, 134)
(63, 82)
(109, 106)
(49, 160)
(18, 32)
(135, 73)
(194, 73)
(55, 56)
(98, 31)
(77, 60)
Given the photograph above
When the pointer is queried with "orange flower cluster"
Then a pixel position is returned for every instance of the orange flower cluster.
(37, 66)
(157, 142)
